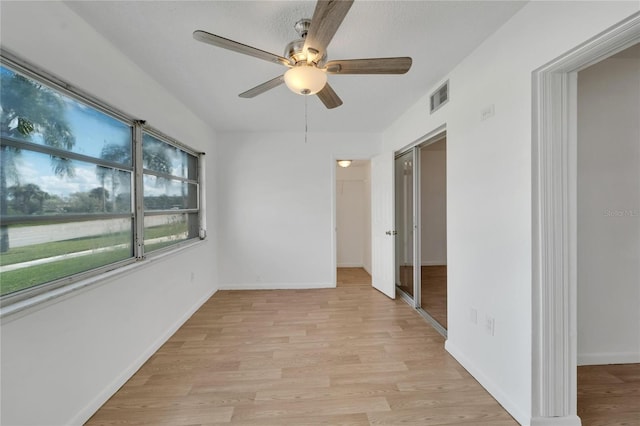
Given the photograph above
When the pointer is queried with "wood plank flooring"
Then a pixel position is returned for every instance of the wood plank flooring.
(343, 356)
(353, 277)
(609, 395)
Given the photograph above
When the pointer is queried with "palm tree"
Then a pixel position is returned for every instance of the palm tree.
(28, 108)
(117, 153)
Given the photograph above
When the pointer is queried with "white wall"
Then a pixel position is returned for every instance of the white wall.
(433, 206)
(61, 360)
(489, 187)
(609, 210)
(350, 223)
(276, 216)
(353, 216)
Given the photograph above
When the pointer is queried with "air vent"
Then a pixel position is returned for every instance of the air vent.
(440, 97)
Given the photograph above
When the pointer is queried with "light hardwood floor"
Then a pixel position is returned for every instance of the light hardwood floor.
(343, 356)
(609, 395)
(353, 277)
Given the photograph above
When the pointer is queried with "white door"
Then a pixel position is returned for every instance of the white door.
(382, 224)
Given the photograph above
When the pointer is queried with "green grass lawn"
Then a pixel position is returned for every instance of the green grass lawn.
(56, 248)
(11, 281)
(39, 274)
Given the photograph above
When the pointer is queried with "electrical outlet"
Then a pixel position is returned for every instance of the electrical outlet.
(473, 315)
(489, 325)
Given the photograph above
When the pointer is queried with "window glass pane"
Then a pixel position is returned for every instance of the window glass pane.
(161, 157)
(46, 191)
(168, 194)
(45, 252)
(164, 230)
(39, 184)
(36, 113)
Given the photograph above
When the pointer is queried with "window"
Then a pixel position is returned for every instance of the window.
(70, 204)
(170, 193)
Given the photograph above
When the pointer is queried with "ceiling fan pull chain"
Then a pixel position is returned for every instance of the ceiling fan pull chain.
(306, 121)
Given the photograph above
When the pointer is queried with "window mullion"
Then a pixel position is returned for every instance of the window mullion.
(138, 192)
(202, 205)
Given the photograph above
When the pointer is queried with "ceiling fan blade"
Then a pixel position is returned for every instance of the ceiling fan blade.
(369, 66)
(225, 43)
(329, 98)
(261, 88)
(326, 19)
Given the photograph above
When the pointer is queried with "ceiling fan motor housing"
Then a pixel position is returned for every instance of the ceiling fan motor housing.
(308, 66)
(295, 50)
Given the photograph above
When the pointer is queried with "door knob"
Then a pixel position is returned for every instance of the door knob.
(391, 233)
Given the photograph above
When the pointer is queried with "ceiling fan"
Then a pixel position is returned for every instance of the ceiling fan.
(306, 57)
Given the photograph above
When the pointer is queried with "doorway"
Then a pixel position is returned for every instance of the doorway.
(421, 228)
(608, 238)
(554, 201)
(353, 223)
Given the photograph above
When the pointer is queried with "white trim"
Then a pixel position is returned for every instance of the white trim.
(434, 263)
(350, 265)
(84, 414)
(334, 221)
(417, 227)
(275, 286)
(556, 421)
(495, 390)
(609, 358)
(554, 292)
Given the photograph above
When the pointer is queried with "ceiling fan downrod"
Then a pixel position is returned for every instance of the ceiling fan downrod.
(302, 27)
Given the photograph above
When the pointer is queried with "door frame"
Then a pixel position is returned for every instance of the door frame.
(554, 223)
(413, 300)
(437, 137)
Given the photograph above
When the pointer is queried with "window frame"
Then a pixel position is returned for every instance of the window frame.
(47, 290)
(199, 156)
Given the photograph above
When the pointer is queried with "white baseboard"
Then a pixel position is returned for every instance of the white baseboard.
(609, 358)
(434, 263)
(495, 391)
(350, 265)
(556, 421)
(275, 286)
(97, 402)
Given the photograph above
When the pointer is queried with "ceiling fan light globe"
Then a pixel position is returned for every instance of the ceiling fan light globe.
(305, 79)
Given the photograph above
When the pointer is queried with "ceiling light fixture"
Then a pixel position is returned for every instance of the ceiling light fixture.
(305, 79)
(344, 163)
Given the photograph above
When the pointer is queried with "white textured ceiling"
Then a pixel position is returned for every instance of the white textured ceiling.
(157, 35)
